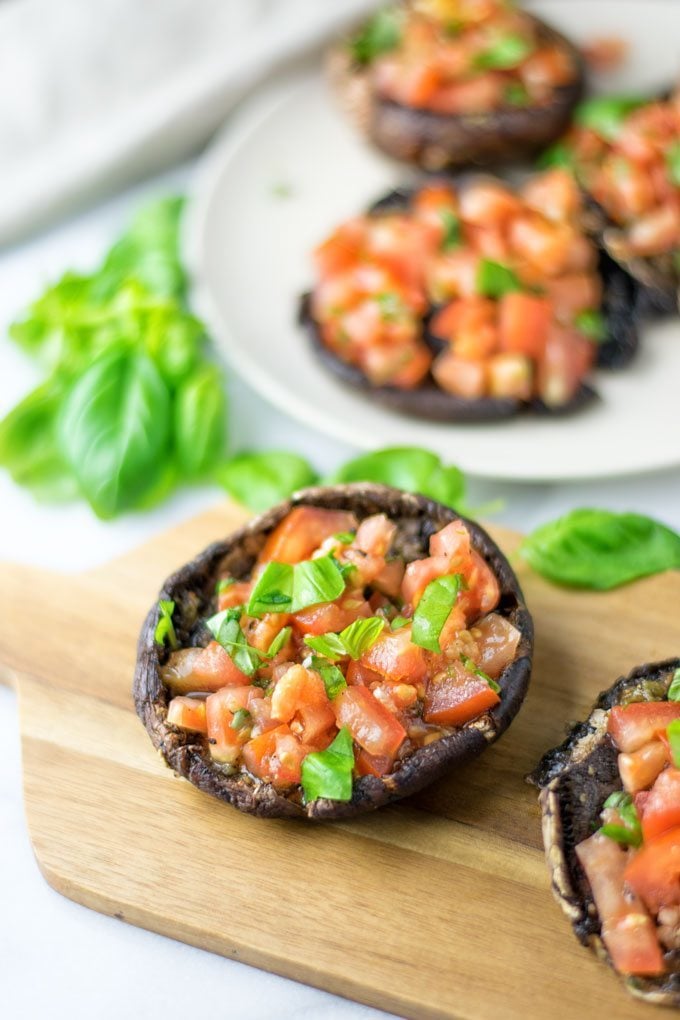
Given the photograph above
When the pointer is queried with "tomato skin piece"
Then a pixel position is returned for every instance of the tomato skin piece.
(627, 929)
(275, 755)
(634, 725)
(188, 714)
(457, 696)
(662, 807)
(396, 658)
(524, 321)
(654, 872)
(372, 726)
(497, 641)
(638, 769)
(302, 531)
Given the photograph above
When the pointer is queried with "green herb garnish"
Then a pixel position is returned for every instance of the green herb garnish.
(329, 773)
(433, 611)
(630, 831)
(332, 677)
(283, 587)
(605, 115)
(600, 549)
(673, 163)
(452, 230)
(673, 733)
(223, 584)
(258, 480)
(380, 34)
(494, 279)
(516, 94)
(398, 622)
(674, 689)
(353, 640)
(410, 468)
(279, 641)
(226, 629)
(344, 537)
(561, 154)
(592, 324)
(506, 52)
(472, 667)
(165, 628)
(241, 719)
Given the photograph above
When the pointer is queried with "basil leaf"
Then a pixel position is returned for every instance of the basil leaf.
(165, 628)
(226, 629)
(452, 230)
(617, 800)
(391, 306)
(506, 52)
(605, 115)
(621, 834)
(273, 591)
(329, 773)
(410, 468)
(200, 422)
(380, 34)
(279, 641)
(332, 677)
(630, 832)
(361, 635)
(329, 645)
(223, 584)
(674, 689)
(398, 622)
(516, 94)
(592, 324)
(561, 154)
(433, 611)
(673, 733)
(494, 279)
(257, 480)
(114, 429)
(316, 581)
(599, 549)
(673, 163)
(344, 537)
(241, 719)
(472, 667)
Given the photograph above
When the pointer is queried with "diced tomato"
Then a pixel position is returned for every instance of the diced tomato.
(462, 377)
(554, 193)
(543, 243)
(371, 725)
(357, 673)
(457, 696)
(627, 929)
(226, 741)
(566, 359)
(524, 322)
(261, 632)
(419, 84)
(330, 616)
(395, 657)
(276, 756)
(389, 580)
(497, 641)
(453, 274)
(201, 669)
(452, 542)
(638, 769)
(302, 531)
(366, 764)
(416, 361)
(473, 95)
(188, 713)
(342, 248)
(574, 293)
(482, 593)
(429, 207)
(547, 68)
(654, 872)
(261, 711)
(510, 375)
(375, 535)
(488, 202)
(300, 700)
(634, 725)
(662, 807)
(236, 594)
(656, 231)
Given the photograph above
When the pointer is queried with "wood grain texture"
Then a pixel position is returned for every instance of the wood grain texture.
(437, 907)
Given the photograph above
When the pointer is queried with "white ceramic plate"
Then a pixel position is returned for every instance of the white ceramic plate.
(291, 168)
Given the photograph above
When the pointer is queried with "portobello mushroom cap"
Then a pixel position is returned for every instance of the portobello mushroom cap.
(575, 780)
(435, 141)
(192, 590)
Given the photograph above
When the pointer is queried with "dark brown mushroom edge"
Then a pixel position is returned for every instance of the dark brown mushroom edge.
(576, 779)
(380, 515)
(625, 153)
(493, 87)
(386, 317)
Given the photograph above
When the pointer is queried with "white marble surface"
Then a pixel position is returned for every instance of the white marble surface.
(58, 959)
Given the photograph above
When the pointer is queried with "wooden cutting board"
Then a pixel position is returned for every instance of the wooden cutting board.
(436, 907)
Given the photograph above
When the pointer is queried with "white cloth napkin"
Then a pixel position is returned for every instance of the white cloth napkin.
(95, 93)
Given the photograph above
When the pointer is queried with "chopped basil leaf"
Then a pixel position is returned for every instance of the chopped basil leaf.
(504, 53)
(273, 592)
(605, 115)
(279, 641)
(516, 94)
(380, 34)
(673, 733)
(353, 640)
(344, 537)
(621, 834)
(165, 627)
(472, 667)
(629, 832)
(226, 629)
(592, 324)
(674, 689)
(599, 549)
(333, 680)
(452, 232)
(561, 154)
(223, 584)
(315, 581)
(433, 610)
(617, 800)
(241, 719)
(391, 306)
(399, 621)
(329, 773)
(494, 279)
(673, 163)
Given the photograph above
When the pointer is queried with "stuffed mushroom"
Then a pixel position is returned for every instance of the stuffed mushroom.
(625, 153)
(471, 301)
(339, 652)
(610, 796)
(449, 83)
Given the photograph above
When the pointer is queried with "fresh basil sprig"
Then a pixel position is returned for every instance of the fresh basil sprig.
(410, 468)
(353, 640)
(600, 549)
(433, 610)
(165, 628)
(286, 588)
(329, 773)
(258, 480)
